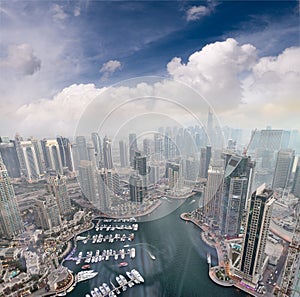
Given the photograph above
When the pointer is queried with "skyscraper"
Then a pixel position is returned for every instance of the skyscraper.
(255, 238)
(213, 194)
(52, 155)
(132, 147)
(87, 180)
(205, 157)
(107, 153)
(10, 218)
(81, 148)
(123, 153)
(283, 168)
(136, 188)
(237, 184)
(98, 148)
(290, 281)
(29, 157)
(65, 149)
(296, 182)
(10, 158)
(58, 187)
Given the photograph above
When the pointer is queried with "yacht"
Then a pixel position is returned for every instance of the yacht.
(131, 276)
(85, 275)
(103, 291)
(137, 275)
(106, 287)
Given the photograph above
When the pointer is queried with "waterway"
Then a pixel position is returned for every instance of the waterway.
(180, 268)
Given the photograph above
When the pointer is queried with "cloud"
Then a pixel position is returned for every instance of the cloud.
(58, 13)
(243, 90)
(21, 60)
(48, 118)
(109, 68)
(214, 71)
(77, 11)
(196, 12)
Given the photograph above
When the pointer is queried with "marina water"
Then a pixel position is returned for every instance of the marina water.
(180, 266)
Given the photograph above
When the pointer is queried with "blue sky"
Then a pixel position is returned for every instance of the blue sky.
(47, 46)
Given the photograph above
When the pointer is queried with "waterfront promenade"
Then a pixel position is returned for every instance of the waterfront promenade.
(218, 273)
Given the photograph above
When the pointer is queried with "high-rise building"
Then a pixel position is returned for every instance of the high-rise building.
(136, 188)
(213, 194)
(98, 148)
(92, 155)
(296, 182)
(29, 156)
(132, 147)
(20, 155)
(10, 218)
(174, 175)
(39, 154)
(290, 282)
(87, 181)
(81, 148)
(237, 185)
(107, 153)
(10, 158)
(65, 149)
(153, 174)
(52, 156)
(283, 168)
(158, 147)
(123, 153)
(270, 139)
(46, 212)
(205, 157)
(255, 238)
(57, 185)
(147, 147)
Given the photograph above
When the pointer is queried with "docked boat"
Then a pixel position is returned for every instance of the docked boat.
(137, 275)
(131, 276)
(106, 287)
(123, 264)
(85, 275)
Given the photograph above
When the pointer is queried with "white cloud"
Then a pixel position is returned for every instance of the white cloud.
(56, 116)
(21, 60)
(77, 11)
(214, 71)
(109, 68)
(244, 91)
(58, 13)
(197, 12)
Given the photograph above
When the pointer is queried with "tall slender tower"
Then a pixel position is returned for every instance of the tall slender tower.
(10, 218)
(123, 153)
(213, 194)
(296, 182)
(236, 190)
(107, 153)
(132, 147)
(255, 238)
(283, 169)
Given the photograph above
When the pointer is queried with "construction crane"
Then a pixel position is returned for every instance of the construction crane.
(251, 139)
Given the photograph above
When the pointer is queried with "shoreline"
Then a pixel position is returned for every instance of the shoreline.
(221, 263)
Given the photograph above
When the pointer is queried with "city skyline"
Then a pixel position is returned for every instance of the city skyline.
(245, 68)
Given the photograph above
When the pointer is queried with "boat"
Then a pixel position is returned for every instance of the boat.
(119, 281)
(132, 253)
(97, 292)
(87, 295)
(123, 264)
(62, 294)
(208, 258)
(85, 275)
(137, 275)
(152, 256)
(86, 266)
(130, 275)
(93, 294)
(123, 279)
(102, 290)
(106, 287)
